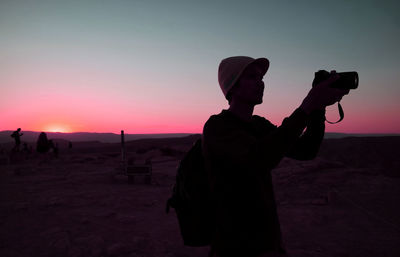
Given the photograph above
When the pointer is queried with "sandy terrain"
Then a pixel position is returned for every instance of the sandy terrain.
(343, 203)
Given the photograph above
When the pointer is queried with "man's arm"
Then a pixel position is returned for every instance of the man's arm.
(320, 96)
(275, 145)
(237, 148)
(307, 146)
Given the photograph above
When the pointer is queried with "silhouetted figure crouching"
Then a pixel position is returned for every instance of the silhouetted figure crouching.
(43, 144)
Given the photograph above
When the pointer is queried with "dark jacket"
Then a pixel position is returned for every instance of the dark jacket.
(239, 157)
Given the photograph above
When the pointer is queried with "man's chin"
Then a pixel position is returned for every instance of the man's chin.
(255, 101)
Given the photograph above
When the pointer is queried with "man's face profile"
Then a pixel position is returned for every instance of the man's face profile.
(250, 87)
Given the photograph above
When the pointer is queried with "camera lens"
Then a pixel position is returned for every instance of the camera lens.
(356, 80)
(347, 80)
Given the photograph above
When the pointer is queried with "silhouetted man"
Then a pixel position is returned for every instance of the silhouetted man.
(241, 149)
(17, 137)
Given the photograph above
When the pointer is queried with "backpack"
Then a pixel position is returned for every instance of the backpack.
(191, 199)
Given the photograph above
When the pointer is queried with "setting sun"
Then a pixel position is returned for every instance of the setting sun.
(57, 128)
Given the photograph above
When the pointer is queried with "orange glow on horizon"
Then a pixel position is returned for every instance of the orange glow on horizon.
(57, 128)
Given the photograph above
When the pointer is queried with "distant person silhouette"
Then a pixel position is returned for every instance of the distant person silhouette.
(17, 137)
(42, 144)
(240, 150)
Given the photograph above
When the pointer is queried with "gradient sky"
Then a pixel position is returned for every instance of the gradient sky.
(151, 66)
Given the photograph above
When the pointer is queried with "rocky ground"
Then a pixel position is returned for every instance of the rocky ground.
(343, 203)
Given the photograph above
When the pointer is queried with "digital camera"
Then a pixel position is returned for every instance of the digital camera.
(347, 80)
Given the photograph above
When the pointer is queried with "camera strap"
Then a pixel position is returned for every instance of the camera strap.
(341, 113)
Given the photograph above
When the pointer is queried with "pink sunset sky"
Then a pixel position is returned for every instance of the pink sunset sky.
(149, 67)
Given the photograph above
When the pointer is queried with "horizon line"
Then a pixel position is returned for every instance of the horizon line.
(191, 133)
(168, 133)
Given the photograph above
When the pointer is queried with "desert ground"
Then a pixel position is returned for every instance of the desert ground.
(346, 202)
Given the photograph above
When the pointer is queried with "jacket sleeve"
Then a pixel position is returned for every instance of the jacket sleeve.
(307, 145)
(234, 146)
(277, 143)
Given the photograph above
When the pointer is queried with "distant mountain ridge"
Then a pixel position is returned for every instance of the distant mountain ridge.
(329, 135)
(31, 136)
